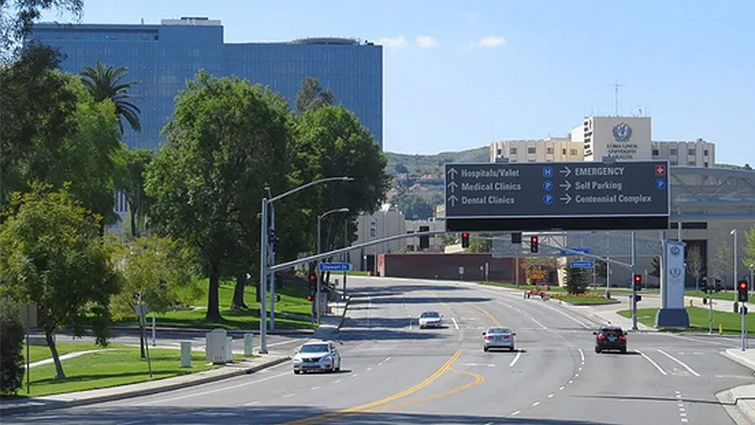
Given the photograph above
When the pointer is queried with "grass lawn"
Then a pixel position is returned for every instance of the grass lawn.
(589, 298)
(108, 368)
(723, 295)
(293, 300)
(698, 319)
(41, 352)
(357, 273)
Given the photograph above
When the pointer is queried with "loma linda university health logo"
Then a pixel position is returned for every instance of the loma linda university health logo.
(622, 132)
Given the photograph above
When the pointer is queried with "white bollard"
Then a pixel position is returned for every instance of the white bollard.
(185, 354)
(248, 345)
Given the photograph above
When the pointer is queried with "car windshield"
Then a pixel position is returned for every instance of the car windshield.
(314, 348)
(612, 331)
(430, 314)
(499, 331)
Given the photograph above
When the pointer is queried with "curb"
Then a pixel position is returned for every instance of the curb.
(52, 405)
(234, 332)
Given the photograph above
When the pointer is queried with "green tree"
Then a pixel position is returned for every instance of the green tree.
(131, 182)
(227, 141)
(749, 258)
(330, 141)
(104, 83)
(312, 96)
(576, 281)
(155, 271)
(11, 360)
(17, 18)
(695, 263)
(479, 242)
(54, 132)
(51, 254)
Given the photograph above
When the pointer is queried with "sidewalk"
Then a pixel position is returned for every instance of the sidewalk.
(739, 402)
(80, 398)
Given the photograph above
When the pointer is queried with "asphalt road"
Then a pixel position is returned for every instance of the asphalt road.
(394, 372)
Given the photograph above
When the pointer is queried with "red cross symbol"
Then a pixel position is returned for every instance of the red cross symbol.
(660, 170)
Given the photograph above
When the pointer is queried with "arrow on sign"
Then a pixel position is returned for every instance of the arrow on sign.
(566, 185)
(566, 199)
(566, 171)
(452, 173)
(452, 186)
(452, 200)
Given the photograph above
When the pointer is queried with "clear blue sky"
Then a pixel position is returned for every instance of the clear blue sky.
(458, 75)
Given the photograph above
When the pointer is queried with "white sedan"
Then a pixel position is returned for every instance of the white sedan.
(430, 319)
(317, 356)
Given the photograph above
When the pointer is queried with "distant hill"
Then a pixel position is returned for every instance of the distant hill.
(417, 180)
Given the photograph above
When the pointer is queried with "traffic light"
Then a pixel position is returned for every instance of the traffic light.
(637, 282)
(310, 297)
(424, 241)
(312, 279)
(516, 237)
(742, 290)
(465, 240)
(704, 287)
(534, 240)
(718, 285)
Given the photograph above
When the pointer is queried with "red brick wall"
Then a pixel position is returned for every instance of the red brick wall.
(446, 266)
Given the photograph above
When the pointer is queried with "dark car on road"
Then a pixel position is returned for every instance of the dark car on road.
(610, 338)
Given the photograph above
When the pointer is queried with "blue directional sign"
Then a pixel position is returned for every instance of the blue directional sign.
(582, 264)
(582, 250)
(335, 267)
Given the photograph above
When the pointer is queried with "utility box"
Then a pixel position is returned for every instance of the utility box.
(248, 345)
(229, 349)
(215, 347)
(185, 353)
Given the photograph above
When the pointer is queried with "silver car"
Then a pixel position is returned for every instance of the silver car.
(430, 319)
(498, 337)
(317, 356)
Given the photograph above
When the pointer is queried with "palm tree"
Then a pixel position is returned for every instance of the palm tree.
(105, 83)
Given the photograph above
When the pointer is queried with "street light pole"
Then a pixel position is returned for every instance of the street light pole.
(734, 269)
(319, 249)
(265, 228)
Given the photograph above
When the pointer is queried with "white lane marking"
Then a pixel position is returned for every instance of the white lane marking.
(576, 375)
(336, 381)
(456, 324)
(315, 388)
(561, 389)
(581, 354)
(538, 323)
(369, 368)
(570, 381)
(550, 395)
(580, 369)
(563, 314)
(202, 393)
(678, 396)
(679, 361)
(682, 414)
(684, 420)
(535, 403)
(355, 374)
(285, 342)
(251, 403)
(288, 395)
(515, 413)
(516, 359)
(652, 362)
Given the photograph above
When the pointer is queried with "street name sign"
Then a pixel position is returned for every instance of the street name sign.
(582, 264)
(335, 267)
(557, 196)
(571, 252)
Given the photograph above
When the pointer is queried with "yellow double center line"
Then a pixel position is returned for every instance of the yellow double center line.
(488, 315)
(374, 406)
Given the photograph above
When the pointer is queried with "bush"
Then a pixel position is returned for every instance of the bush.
(11, 357)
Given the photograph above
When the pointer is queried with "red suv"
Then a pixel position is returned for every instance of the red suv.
(610, 338)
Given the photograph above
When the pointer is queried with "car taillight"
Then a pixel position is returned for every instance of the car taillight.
(487, 337)
(601, 337)
(623, 337)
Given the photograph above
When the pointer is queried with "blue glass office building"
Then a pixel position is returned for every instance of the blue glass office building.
(162, 57)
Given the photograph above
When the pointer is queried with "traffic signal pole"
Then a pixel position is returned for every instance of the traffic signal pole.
(263, 278)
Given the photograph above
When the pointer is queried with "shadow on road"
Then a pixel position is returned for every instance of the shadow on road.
(265, 415)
